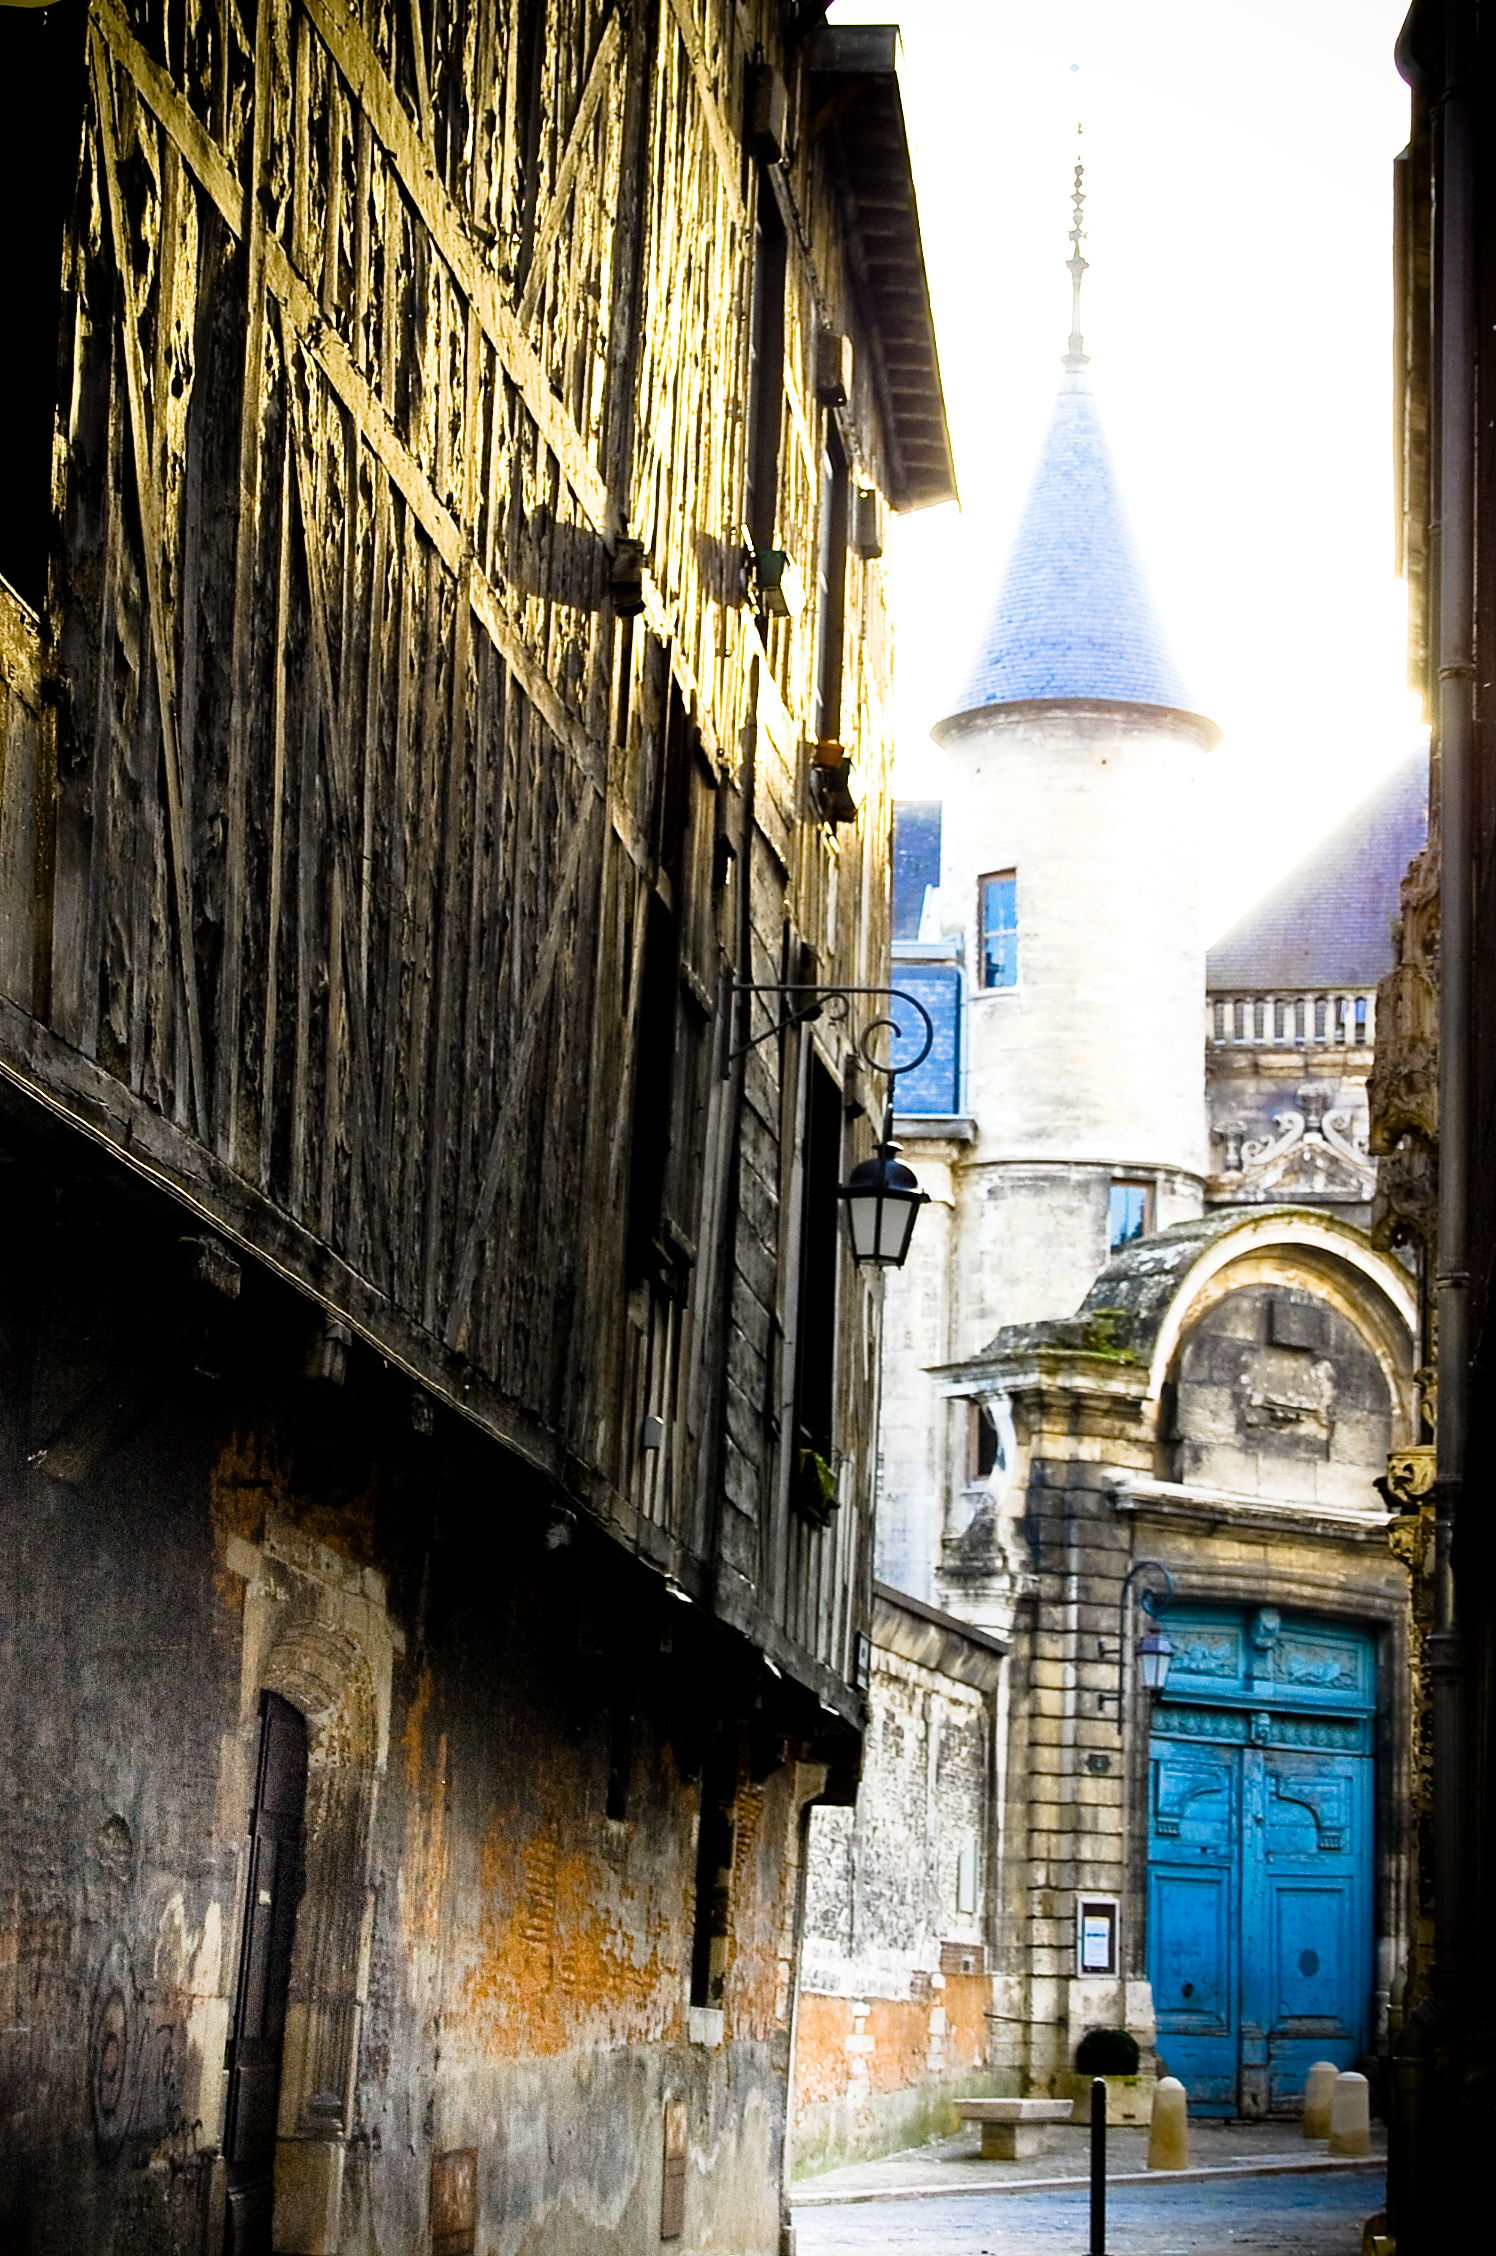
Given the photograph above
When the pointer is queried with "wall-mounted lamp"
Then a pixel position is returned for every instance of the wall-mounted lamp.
(1155, 1648)
(881, 1198)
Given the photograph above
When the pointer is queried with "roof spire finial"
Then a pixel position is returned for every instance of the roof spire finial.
(1077, 356)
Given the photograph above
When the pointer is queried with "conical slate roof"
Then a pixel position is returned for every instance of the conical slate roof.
(1074, 618)
(1329, 922)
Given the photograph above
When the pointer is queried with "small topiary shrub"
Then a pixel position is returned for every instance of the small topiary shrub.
(1107, 2052)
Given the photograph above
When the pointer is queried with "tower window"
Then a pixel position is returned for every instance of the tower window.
(1129, 1213)
(997, 919)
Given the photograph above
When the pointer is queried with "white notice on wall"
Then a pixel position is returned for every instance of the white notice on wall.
(1097, 1932)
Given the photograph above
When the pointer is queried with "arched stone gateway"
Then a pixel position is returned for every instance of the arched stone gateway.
(1211, 1423)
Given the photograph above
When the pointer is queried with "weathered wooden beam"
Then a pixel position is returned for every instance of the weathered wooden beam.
(566, 170)
(726, 147)
(371, 87)
(154, 553)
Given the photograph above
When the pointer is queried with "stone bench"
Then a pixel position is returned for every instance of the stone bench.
(1014, 2127)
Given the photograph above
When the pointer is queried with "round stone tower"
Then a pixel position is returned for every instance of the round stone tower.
(1069, 854)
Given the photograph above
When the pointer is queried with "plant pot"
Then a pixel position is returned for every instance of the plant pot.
(1129, 2099)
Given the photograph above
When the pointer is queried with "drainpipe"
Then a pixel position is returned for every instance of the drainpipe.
(1435, 53)
(1455, 346)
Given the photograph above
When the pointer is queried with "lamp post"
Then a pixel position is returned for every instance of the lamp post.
(1155, 1648)
(881, 1198)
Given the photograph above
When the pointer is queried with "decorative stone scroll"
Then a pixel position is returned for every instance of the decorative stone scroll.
(1313, 1151)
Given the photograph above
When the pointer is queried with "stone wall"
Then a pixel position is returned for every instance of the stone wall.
(891, 2023)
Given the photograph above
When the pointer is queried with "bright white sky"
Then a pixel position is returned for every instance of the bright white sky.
(1238, 316)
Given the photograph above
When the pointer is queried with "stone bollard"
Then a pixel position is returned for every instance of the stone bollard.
(1319, 2090)
(1350, 2115)
(1169, 2130)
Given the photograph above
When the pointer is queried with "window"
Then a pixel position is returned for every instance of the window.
(831, 591)
(766, 366)
(712, 1932)
(672, 1057)
(1129, 1213)
(984, 1449)
(41, 119)
(997, 929)
(820, 1250)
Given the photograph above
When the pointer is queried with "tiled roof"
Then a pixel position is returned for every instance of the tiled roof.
(1074, 618)
(1329, 922)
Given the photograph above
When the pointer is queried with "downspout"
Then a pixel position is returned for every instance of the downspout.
(1455, 345)
(1435, 55)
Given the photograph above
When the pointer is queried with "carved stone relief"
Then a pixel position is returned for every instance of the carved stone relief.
(1404, 1088)
(1314, 1149)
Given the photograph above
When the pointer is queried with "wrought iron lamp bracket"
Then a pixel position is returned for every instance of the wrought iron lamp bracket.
(837, 1002)
(1149, 1601)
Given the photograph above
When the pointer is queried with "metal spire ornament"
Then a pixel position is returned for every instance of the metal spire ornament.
(1077, 357)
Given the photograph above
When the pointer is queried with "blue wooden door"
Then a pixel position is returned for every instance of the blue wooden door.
(1260, 1856)
(1194, 1916)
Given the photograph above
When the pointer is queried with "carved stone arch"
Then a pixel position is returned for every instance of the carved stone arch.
(1324, 1256)
(322, 1669)
(1260, 1415)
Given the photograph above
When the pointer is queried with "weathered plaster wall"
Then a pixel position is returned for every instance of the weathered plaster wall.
(484, 1958)
(894, 1970)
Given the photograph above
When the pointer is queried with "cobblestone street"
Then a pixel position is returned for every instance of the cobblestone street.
(1316, 2214)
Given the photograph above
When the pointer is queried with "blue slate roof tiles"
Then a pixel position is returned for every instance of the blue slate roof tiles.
(1328, 923)
(1074, 618)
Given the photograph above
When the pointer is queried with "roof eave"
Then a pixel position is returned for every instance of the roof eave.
(1022, 708)
(859, 111)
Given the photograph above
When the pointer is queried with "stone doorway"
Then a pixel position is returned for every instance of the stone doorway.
(1260, 1854)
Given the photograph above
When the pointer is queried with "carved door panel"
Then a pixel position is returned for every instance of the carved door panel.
(1260, 1856)
(255, 2044)
(1313, 1974)
(1194, 1922)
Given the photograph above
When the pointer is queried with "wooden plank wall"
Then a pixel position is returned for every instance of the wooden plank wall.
(387, 321)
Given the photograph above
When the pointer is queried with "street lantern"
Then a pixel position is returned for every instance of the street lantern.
(882, 1200)
(882, 1196)
(1155, 1651)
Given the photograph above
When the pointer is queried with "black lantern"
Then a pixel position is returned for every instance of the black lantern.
(882, 1195)
(1155, 1651)
(882, 1199)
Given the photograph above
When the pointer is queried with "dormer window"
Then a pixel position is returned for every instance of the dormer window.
(997, 929)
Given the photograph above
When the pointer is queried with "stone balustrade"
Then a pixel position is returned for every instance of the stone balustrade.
(1305, 1019)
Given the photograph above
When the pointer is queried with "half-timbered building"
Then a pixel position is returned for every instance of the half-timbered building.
(443, 675)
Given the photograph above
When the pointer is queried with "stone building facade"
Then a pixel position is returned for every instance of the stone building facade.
(424, 1295)
(1144, 1367)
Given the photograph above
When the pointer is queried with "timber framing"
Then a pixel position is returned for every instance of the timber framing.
(360, 861)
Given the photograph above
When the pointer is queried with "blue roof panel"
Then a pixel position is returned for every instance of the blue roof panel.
(1328, 923)
(1074, 618)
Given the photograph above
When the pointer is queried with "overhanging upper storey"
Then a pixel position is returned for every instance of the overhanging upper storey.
(856, 106)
